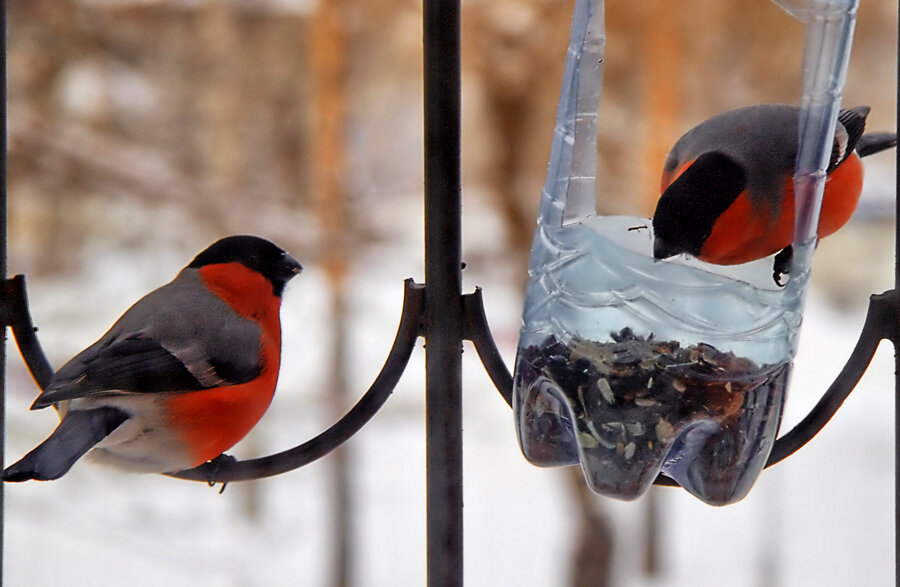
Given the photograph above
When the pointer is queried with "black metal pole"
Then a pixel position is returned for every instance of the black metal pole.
(3, 271)
(897, 335)
(443, 290)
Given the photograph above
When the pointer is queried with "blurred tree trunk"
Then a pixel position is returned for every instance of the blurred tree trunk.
(660, 70)
(218, 36)
(328, 53)
(593, 554)
(507, 113)
(652, 523)
(511, 55)
(661, 77)
(219, 40)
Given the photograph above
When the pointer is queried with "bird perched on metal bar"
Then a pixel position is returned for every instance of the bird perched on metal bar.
(728, 191)
(182, 376)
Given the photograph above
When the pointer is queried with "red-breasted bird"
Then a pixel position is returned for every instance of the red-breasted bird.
(181, 377)
(727, 185)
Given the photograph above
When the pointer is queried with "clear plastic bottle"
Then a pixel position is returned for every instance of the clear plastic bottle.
(634, 367)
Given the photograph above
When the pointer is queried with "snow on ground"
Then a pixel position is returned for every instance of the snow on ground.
(824, 517)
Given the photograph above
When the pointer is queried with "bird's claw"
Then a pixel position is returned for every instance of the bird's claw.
(215, 466)
(782, 265)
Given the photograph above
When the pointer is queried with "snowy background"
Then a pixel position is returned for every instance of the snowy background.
(93, 234)
(824, 517)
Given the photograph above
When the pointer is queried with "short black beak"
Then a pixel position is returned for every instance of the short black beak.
(663, 250)
(289, 267)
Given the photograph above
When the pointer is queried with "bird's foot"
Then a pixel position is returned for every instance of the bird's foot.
(782, 266)
(215, 466)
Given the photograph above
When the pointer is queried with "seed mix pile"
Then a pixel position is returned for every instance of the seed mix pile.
(633, 395)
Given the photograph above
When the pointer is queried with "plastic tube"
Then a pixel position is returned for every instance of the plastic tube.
(826, 52)
(568, 194)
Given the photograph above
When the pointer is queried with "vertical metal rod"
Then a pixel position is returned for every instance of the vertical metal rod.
(3, 271)
(443, 289)
(897, 335)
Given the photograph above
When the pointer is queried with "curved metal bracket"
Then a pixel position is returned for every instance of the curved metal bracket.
(15, 313)
(219, 471)
(476, 330)
(882, 322)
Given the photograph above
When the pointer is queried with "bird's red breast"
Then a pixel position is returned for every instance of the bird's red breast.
(842, 190)
(751, 229)
(210, 421)
(745, 232)
(727, 184)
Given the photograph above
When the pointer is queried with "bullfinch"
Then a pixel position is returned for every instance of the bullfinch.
(181, 377)
(728, 191)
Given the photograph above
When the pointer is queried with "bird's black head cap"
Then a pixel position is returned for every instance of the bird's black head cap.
(255, 253)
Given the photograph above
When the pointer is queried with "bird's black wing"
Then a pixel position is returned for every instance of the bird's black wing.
(162, 350)
(854, 122)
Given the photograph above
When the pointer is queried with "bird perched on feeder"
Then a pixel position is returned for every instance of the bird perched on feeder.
(727, 185)
(182, 375)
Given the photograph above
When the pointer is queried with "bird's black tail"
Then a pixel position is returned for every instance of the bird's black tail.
(875, 142)
(78, 431)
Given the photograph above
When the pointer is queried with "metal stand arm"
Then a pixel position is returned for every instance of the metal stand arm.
(882, 322)
(15, 313)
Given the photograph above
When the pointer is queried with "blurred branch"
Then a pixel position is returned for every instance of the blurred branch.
(141, 170)
(144, 172)
(660, 72)
(592, 558)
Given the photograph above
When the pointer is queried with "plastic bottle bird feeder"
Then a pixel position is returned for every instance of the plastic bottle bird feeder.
(632, 366)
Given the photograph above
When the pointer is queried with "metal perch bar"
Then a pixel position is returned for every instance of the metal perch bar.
(477, 331)
(358, 416)
(17, 316)
(881, 324)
